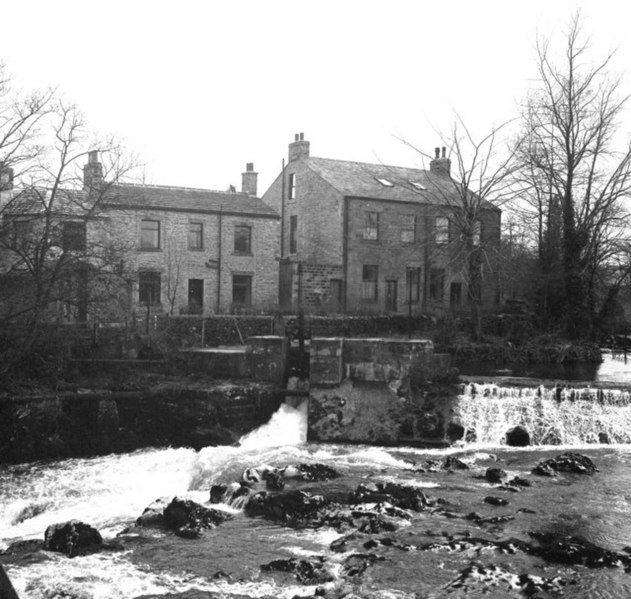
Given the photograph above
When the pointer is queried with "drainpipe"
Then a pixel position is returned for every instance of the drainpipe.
(282, 211)
(345, 256)
(219, 259)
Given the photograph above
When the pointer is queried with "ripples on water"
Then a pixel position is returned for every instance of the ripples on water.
(110, 492)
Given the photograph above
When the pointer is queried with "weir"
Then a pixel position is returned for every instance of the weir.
(551, 416)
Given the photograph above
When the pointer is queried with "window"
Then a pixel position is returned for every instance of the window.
(408, 230)
(293, 228)
(242, 239)
(384, 182)
(441, 230)
(149, 288)
(476, 234)
(22, 230)
(413, 280)
(242, 290)
(195, 236)
(371, 226)
(150, 234)
(436, 284)
(74, 236)
(292, 186)
(370, 275)
(418, 186)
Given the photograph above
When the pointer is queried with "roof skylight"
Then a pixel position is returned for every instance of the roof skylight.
(418, 185)
(385, 182)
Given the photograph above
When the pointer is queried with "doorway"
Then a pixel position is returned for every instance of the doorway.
(391, 296)
(196, 296)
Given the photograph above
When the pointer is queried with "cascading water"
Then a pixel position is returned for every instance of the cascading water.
(556, 416)
(110, 492)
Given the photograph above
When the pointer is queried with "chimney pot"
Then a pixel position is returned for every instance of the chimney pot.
(297, 137)
(437, 153)
(299, 148)
(444, 150)
(92, 172)
(440, 166)
(249, 180)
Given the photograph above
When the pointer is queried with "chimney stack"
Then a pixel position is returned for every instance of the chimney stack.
(92, 172)
(440, 165)
(299, 148)
(249, 180)
(6, 178)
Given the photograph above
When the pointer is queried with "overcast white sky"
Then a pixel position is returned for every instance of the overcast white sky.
(199, 88)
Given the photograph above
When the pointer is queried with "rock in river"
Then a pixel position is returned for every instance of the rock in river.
(567, 462)
(72, 538)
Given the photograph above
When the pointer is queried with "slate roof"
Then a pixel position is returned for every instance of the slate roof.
(185, 199)
(359, 179)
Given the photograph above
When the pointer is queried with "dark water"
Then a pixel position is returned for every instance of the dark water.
(615, 368)
(110, 492)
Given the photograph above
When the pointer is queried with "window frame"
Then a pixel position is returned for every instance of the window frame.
(293, 230)
(436, 275)
(74, 241)
(194, 235)
(155, 284)
(248, 289)
(370, 282)
(237, 250)
(144, 246)
(371, 226)
(441, 231)
(291, 186)
(405, 228)
(413, 287)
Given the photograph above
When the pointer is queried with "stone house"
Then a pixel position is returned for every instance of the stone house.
(368, 238)
(195, 251)
(164, 249)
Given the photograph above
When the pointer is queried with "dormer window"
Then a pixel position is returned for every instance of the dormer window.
(418, 186)
(384, 182)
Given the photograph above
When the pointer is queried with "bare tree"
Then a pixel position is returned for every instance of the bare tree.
(174, 271)
(56, 243)
(576, 176)
(480, 182)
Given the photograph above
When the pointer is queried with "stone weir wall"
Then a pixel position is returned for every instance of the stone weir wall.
(82, 424)
(381, 391)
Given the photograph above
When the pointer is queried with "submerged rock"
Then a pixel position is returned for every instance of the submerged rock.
(229, 494)
(306, 571)
(356, 564)
(574, 463)
(477, 578)
(317, 472)
(494, 475)
(495, 500)
(187, 518)
(294, 507)
(454, 463)
(72, 538)
(401, 496)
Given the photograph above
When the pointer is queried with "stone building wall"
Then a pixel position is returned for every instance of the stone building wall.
(177, 263)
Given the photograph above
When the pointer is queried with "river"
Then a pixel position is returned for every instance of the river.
(110, 492)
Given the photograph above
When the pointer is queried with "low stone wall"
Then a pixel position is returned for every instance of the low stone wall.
(81, 424)
(379, 391)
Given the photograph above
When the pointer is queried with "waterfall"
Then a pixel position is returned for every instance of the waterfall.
(552, 416)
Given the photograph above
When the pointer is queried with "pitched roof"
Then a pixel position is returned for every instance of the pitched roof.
(362, 179)
(185, 199)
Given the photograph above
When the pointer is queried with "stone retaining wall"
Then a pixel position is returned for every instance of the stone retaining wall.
(81, 424)
(379, 391)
